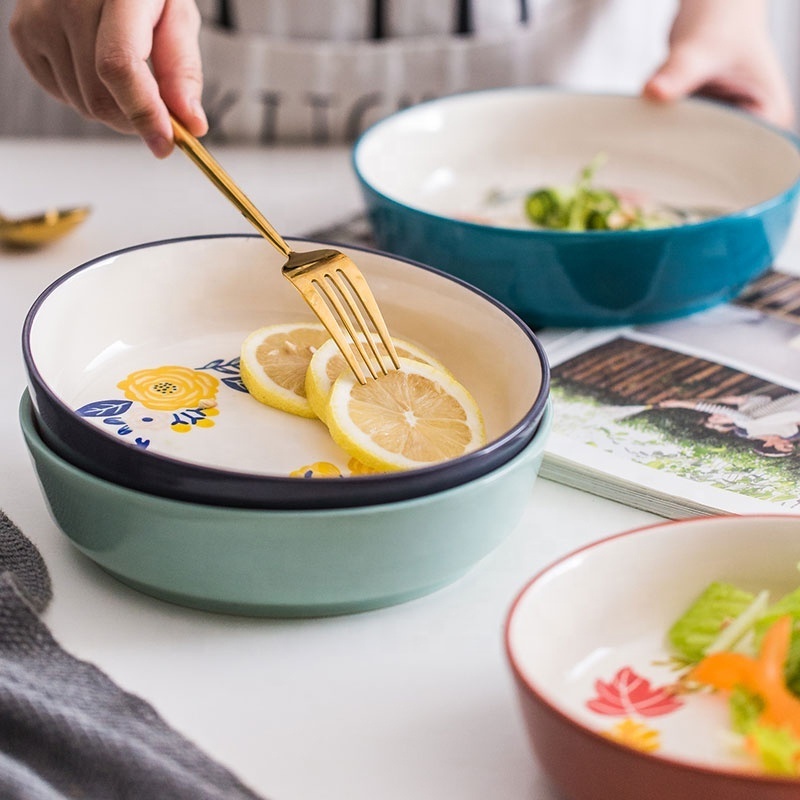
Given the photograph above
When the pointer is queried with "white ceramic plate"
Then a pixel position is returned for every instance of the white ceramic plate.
(177, 313)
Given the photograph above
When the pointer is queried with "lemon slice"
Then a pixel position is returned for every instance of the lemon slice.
(274, 362)
(327, 364)
(413, 417)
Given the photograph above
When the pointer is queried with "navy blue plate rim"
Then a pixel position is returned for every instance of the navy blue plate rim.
(97, 452)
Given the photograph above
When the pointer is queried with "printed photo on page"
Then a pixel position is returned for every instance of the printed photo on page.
(697, 415)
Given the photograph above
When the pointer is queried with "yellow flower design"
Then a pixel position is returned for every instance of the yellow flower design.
(319, 469)
(635, 734)
(169, 388)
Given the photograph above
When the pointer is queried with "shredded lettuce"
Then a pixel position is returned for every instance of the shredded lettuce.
(792, 668)
(745, 709)
(788, 604)
(725, 617)
(718, 605)
(738, 633)
(777, 750)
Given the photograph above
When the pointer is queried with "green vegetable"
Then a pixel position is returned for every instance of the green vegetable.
(777, 749)
(725, 617)
(701, 623)
(788, 604)
(745, 709)
(584, 206)
(546, 207)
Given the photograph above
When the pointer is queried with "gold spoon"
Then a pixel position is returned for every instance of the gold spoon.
(40, 229)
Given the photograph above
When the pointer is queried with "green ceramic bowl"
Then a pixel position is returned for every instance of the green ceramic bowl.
(284, 563)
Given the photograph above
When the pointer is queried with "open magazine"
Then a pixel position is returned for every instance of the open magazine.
(699, 415)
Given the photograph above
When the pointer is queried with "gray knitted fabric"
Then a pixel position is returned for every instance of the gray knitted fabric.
(66, 730)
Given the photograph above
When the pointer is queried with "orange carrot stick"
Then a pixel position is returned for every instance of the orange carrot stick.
(725, 670)
(763, 676)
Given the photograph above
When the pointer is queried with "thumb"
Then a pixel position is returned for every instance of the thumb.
(177, 64)
(679, 76)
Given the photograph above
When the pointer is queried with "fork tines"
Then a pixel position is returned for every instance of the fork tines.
(341, 298)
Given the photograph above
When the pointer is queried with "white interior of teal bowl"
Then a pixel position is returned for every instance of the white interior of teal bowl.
(192, 303)
(445, 156)
(610, 606)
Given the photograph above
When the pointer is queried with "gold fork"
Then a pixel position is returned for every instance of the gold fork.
(329, 281)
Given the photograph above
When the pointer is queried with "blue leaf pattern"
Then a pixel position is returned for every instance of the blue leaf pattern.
(230, 367)
(235, 383)
(104, 408)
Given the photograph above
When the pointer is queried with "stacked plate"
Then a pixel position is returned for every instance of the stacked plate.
(160, 466)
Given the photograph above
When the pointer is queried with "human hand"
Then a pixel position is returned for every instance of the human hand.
(773, 445)
(93, 55)
(722, 49)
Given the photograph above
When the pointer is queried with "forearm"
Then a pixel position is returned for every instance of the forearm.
(719, 17)
(702, 11)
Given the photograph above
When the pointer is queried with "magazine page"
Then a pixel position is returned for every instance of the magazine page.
(699, 415)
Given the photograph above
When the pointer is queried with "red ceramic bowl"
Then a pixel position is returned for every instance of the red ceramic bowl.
(586, 641)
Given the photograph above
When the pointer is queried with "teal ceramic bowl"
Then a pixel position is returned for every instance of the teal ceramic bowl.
(284, 563)
(428, 173)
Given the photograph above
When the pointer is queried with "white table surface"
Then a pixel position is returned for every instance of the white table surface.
(414, 701)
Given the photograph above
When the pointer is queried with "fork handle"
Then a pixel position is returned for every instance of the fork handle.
(192, 147)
